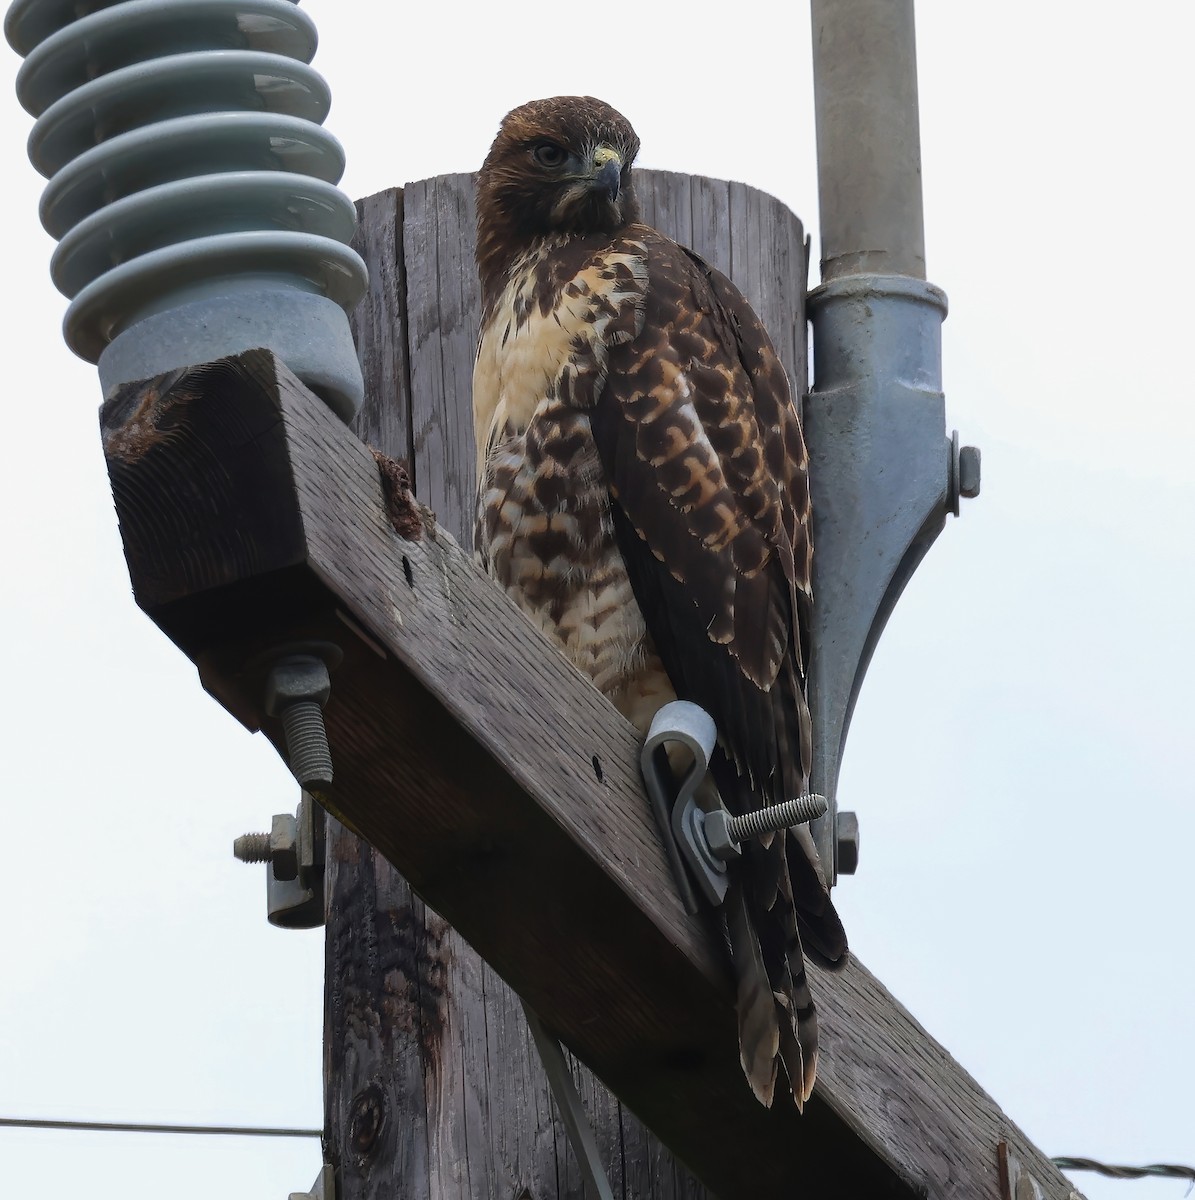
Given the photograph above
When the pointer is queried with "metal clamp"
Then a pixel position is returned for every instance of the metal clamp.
(686, 725)
(704, 841)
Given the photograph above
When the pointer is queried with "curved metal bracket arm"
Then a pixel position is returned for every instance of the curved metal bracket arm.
(883, 475)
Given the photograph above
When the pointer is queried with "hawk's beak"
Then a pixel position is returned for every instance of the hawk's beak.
(607, 175)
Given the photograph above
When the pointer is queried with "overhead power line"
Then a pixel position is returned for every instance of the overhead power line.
(1166, 1170)
(131, 1127)
(1113, 1171)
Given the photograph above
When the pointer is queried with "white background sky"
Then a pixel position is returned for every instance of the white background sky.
(1021, 755)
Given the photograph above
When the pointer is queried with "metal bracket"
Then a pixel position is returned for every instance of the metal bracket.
(294, 853)
(1015, 1181)
(704, 838)
(324, 1187)
(684, 725)
(576, 1123)
(883, 475)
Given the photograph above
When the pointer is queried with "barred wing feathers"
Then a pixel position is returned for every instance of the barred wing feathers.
(707, 468)
(705, 460)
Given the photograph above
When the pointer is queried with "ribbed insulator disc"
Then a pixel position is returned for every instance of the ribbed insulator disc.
(183, 145)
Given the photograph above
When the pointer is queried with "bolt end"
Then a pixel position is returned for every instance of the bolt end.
(963, 473)
(969, 471)
(776, 817)
(808, 808)
(252, 847)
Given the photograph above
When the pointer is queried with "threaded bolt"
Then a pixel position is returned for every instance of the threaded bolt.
(252, 847)
(297, 689)
(723, 833)
(307, 744)
(776, 817)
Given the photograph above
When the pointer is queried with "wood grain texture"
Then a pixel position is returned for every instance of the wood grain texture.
(384, 967)
(381, 1013)
(463, 747)
(379, 326)
(432, 1089)
(443, 299)
(751, 237)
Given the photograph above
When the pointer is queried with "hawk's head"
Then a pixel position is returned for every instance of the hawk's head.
(561, 165)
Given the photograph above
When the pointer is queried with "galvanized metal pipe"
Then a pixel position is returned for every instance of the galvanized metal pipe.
(868, 138)
(883, 472)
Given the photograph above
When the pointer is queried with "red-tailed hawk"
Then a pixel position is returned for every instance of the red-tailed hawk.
(643, 497)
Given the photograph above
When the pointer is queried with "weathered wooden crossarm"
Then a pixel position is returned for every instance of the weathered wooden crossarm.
(506, 789)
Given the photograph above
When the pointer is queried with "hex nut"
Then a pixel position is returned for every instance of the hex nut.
(717, 833)
(969, 471)
(284, 847)
(294, 678)
(309, 822)
(847, 830)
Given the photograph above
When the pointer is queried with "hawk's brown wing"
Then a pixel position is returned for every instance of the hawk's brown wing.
(704, 456)
(705, 459)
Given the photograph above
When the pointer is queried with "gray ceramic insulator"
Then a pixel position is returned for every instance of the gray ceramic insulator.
(191, 186)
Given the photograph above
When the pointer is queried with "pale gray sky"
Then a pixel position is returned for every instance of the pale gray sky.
(1020, 759)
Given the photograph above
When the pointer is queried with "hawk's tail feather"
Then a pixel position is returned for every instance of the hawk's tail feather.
(786, 958)
(759, 1029)
(798, 1047)
(778, 911)
(802, 1017)
(777, 1018)
(821, 928)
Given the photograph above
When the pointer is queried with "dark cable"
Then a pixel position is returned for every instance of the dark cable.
(129, 1127)
(1167, 1170)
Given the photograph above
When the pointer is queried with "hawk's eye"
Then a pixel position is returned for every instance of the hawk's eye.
(548, 154)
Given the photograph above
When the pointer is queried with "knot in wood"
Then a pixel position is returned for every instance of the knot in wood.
(367, 1119)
